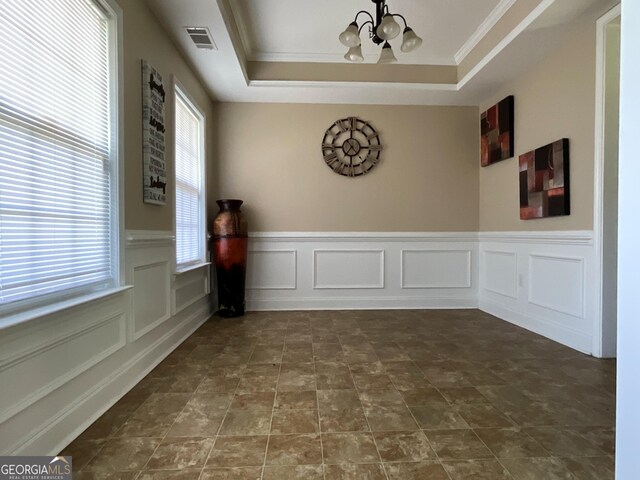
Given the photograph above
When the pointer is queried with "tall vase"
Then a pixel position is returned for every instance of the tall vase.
(230, 257)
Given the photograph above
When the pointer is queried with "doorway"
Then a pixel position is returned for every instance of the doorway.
(606, 181)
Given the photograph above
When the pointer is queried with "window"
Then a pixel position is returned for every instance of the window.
(189, 155)
(58, 161)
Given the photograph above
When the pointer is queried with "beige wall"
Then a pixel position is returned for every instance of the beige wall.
(554, 99)
(144, 38)
(269, 155)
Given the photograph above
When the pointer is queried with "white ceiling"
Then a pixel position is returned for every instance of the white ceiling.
(223, 71)
(307, 31)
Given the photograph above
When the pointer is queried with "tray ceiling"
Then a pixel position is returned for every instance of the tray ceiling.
(307, 31)
(470, 47)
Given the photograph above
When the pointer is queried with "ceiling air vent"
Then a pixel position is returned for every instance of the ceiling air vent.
(201, 37)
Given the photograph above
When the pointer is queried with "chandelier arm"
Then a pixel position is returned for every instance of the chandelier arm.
(403, 19)
(366, 13)
(370, 22)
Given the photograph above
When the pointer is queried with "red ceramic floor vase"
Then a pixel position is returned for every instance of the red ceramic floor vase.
(230, 256)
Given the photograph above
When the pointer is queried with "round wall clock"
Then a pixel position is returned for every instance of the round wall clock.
(351, 147)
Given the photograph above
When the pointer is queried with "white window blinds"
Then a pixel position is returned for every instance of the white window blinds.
(55, 148)
(189, 155)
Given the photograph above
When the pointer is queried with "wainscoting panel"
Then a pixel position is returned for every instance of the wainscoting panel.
(151, 280)
(57, 358)
(557, 283)
(540, 281)
(67, 367)
(500, 272)
(271, 270)
(362, 271)
(189, 287)
(348, 269)
(436, 268)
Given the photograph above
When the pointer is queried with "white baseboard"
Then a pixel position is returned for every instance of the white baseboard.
(542, 326)
(362, 303)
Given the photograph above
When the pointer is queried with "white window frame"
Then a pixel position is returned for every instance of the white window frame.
(179, 91)
(32, 308)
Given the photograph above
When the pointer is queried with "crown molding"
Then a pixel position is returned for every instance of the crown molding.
(337, 58)
(242, 28)
(325, 84)
(535, 13)
(494, 16)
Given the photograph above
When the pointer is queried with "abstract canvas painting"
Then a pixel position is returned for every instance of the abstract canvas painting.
(496, 132)
(544, 181)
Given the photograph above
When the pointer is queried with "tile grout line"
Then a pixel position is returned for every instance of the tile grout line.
(226, 412)
(173, 423)
(112, 435)
(273, 407)
(315, 375)
(416, 420)
(384, 470)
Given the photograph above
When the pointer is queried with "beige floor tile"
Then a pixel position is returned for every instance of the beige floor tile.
(462, 395)
(106, 475)
(390, 419)
(489, 469)
(83, 451)
(483, 416)
(123, 454)
(403, 446)
(537, 468)
(349, 448)
(293, 472)
(295, 421)
(294, 450)
(591, 468)
(235, 473)
(457, 445)
(182, 474)
(194, 422)
(237, 452)
(415, 471)
(510, 443)
(438, 416)
(180, 453)
(298, 400)
(253, 401)
(246, 422)
(371, 471)
(564, 441)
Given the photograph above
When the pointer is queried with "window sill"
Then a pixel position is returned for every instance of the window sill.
(34, 313)
(191, 267)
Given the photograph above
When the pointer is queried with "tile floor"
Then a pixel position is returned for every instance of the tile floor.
(451, 395)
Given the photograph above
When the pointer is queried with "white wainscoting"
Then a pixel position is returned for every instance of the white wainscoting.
(66, 368)
(291, 271)
(541, 281)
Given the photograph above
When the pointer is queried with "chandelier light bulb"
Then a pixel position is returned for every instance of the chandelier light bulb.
(410, 41)
(388, 28)
(355, 54)
(350, 37)
(387, 56)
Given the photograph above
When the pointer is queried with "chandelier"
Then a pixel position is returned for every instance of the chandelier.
(381, 29)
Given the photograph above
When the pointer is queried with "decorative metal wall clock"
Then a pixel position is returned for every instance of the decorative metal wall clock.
(351, 147)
